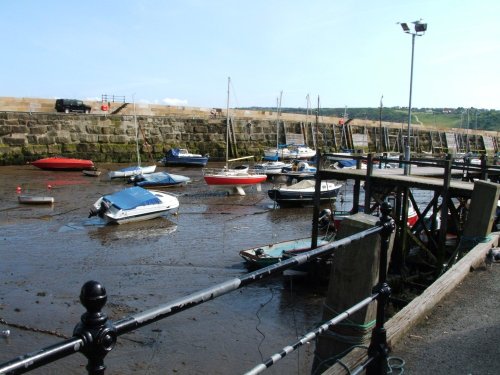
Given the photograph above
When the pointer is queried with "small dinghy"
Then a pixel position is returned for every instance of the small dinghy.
(159, 179)
(263, 256)
(35, 199)
(91, 172)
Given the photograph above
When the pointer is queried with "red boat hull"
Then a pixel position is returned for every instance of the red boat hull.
(63, 164)
(235, 180)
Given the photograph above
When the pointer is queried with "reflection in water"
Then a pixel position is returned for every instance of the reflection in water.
(136, 231)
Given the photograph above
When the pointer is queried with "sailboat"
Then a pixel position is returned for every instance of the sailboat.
(288, 151)
(273, 166)
(137, 169)
(232, 177)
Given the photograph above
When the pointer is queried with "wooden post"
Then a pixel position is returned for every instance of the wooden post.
(444, 211)
(484, 168)
(353, 275)
(317, 193)
(481, 215)
(368, 184)
(356, 190)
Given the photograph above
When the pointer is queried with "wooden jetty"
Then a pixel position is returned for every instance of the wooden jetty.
(478, 199)
(451, 186)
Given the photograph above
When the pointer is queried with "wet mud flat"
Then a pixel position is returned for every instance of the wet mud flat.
(48, 253)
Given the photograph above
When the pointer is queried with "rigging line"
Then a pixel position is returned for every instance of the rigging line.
(257, 326)
(233, 93)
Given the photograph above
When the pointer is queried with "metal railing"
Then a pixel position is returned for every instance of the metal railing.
(105, 98)
(95, 336)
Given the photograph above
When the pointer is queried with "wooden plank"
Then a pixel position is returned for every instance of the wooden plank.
(421, 178)
(401, 323)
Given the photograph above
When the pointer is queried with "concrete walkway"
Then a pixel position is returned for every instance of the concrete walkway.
(462, 334)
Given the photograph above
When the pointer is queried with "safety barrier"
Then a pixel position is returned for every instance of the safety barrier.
(95, 336)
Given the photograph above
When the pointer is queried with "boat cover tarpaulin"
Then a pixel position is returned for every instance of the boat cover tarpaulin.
(162, 178)
(304, 184)
(347, 163)
(174, 152)
(131, 198)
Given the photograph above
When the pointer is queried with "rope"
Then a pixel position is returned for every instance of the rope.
(365, 326)
(259, 321)
(363, 330)
(396, 363)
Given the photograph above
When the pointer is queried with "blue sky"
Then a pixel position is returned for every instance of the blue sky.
(349, 53)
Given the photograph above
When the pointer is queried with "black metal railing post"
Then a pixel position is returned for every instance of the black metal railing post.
(378, 348)
(97, 333)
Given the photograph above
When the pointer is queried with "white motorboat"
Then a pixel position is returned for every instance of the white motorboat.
(272, 167)
(133, 204)
(287, 152)
(303, 192)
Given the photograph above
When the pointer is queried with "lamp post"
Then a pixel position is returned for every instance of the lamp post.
(419, 29)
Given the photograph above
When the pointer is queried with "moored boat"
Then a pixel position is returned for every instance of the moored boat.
(303, 192)
(271, 168)
(91, 172)
(159, 179)
(263, 256)
(132, 171)
(35, 199)
(60, 163)
(233, 177)
(181, 156)
(133, 204)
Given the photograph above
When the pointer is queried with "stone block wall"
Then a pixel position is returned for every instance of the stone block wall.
(25, 136)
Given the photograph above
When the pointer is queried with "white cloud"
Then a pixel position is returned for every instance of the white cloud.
(173, 101)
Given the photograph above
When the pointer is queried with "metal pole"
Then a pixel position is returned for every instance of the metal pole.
(227, 123)
(407, 146)
(378, 349)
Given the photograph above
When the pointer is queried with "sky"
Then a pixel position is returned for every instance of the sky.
(182, 52)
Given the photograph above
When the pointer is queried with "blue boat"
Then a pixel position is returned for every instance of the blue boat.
(159, 179)
(181, 156)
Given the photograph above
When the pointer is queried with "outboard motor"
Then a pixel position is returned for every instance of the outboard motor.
(99, 211)
(102, 209)
(92, 212)
(136, 178)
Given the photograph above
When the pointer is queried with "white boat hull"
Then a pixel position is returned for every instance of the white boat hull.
(116, 215)
(133, 171)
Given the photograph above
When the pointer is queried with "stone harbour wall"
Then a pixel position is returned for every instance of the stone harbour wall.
(25, 137)
(28, 136)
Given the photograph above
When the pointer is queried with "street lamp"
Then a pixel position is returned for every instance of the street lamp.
(419, 29)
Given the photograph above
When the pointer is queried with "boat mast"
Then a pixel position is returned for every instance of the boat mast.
(137, 137)
(317, 125)
(227, 122)
(278, 112)
(308, 105)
